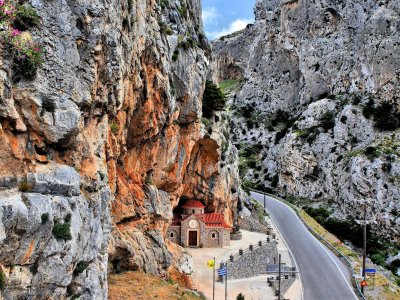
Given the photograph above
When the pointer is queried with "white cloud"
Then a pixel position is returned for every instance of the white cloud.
(209, 15)
(236, 25)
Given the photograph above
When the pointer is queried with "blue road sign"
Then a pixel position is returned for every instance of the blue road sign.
(370, 270)
(222, 271)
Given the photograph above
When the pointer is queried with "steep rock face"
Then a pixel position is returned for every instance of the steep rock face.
(105, 138)
(310, 74)
(39, 261)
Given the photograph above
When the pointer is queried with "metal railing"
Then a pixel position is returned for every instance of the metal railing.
(337, 252)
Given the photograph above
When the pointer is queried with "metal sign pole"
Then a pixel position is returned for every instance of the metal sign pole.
(365, 245)
(226, 282)
(214, 280)
(279, 281)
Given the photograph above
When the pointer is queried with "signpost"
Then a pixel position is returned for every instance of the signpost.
(211, 265)
(364, 283)
(364, 222)
(223, 271)
(370, 272)
(293, 272)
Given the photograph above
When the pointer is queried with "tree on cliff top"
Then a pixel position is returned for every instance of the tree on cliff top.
(214, 99)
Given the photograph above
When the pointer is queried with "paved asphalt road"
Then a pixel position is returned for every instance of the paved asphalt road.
(323, 275)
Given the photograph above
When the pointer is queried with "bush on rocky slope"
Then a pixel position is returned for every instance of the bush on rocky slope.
(15, 20)
(213, 99)
(378, 248)
(386, 115)
(2, 280)
(62, 231)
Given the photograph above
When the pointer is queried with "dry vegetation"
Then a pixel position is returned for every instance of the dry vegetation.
(379, 287)
(141, 286)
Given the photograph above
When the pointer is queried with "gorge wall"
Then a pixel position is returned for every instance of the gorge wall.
(100, 146)
(316, 102)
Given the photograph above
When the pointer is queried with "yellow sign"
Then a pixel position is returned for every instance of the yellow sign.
(211, 264)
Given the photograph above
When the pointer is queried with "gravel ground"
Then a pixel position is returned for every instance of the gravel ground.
(255, 288)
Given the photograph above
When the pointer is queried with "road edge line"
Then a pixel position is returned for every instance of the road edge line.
(290, 251)
(321, 240)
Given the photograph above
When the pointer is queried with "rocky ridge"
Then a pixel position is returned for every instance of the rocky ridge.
(317, 102)
(99, 148)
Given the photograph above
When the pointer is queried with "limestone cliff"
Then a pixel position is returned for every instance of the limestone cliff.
(318, 102)
(99, 147)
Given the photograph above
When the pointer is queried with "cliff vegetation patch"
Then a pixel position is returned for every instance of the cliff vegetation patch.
(15, 39)
(214, 99)
(2, 280)
(62, 231)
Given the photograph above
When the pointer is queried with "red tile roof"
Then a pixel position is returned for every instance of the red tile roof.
(210, 220)
(176, 221)
(193, 204)
(214, 220)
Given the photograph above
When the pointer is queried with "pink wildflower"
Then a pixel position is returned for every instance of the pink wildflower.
(16, 32)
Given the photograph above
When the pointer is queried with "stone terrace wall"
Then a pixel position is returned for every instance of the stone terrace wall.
(253, 262)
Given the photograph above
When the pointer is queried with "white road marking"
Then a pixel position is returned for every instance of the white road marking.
(319, 244)
(291, 255)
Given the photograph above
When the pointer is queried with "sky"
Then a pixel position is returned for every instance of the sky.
(222, 17)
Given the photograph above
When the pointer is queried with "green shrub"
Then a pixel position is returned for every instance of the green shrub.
(26, 53)
(80, 267)
(2, 280)
(377, 258)
(25, 18)
(169, 31)
(114, 127)
(371, 152)
(62, 231)
(397, 281)
(328, 120)
(175, 55)
(125, 23)
(170, 280)
(76, 296)
(320, 220)
(275, 181)
(252, 163)
(130, 5)
(213, 99)
(183, 11)
(164, 28)
(240, 297)
(191, 42)
(280, 117)
(34, 268)
(24, 67)
(163, 4)
(149, 179)
(246, 111)
(308, 134)
(24, 185)
(369, 108)
(387, 167)
(386, 117)
(67, 218)
(45, 217)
